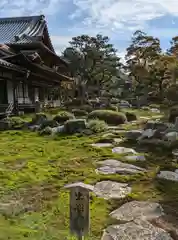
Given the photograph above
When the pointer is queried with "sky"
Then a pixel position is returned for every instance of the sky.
(117, 19)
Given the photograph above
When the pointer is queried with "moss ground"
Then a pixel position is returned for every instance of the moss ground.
(34, 169)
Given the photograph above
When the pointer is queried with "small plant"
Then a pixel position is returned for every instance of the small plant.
(112, 107)
(97, 126)
(63, 116)
(109, 116)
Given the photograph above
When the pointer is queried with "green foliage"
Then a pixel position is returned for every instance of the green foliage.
(88, 108)
(74, 126)
(97, 126)
(79, 112)
(131, 116)
(93, 60)
(63, 116)
(16, 122)
(112, 107)
(109, 116)
(49, 123)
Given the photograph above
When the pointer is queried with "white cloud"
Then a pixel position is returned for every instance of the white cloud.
(60, 43)
(119, 14)
(30, 7)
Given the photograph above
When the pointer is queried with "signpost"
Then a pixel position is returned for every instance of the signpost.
(79, 208)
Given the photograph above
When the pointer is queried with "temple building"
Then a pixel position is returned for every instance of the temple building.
(29, 66)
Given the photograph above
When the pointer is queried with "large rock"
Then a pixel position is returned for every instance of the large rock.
(136, 230)
(123, 150)
(138, 209)
(156, 126)
(168, 175)
(133, 134)
(112, 190)
(4, 125)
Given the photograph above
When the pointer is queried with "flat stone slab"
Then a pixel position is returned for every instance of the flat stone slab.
(135, 158)
(116, 163)
(112, 190)
(138, 209)
(112, 170)
(136, 230)
(168, 175)
(123, 150)
(100, 145)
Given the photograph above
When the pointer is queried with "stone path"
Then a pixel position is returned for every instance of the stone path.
(112, 166)
(136, 230)
(137, 209)
(112, 190)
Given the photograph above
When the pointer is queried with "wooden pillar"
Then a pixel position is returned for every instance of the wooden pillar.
(15, 100)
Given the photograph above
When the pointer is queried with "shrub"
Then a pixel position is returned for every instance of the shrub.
(109, 116)
(38, 119)
(74, 126)
(173, 113)
(131, 116)
(15, 122)
(88, 108)
(97, 126)
(79, 112)
(63, 116)
(112, 107)
(49, 123)
(46, 131)
(153, 105)
(53, 110)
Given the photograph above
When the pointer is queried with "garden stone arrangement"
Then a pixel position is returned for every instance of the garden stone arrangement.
(112, 150)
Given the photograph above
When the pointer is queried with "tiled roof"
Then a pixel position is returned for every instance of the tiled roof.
(18, 30)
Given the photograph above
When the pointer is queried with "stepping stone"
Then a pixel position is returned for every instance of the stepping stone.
(123, 150)
(112, 190)
(135, 158)
(136, 230)
(100, 145)
(116, 163)
(118, 140)
(168, 175)
(138, 209)
(112, 170)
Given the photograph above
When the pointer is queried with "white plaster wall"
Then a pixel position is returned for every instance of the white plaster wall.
(10, 92)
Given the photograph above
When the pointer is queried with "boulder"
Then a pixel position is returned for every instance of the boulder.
(112, 190)
(168, 175)
(133, 134)
(156, 126)
(4, 125)
(138, 209)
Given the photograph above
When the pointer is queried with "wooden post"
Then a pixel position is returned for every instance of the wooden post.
(79, 208)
